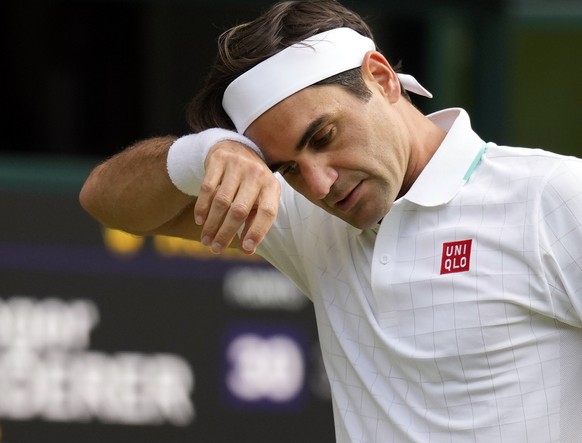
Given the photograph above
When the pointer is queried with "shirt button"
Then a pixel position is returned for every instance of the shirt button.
(384, 259)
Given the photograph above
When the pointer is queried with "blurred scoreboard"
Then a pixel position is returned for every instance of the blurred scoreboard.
(107, 337)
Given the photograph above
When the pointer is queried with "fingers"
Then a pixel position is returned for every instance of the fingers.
(238, 190)
(261, 219)
(230, 208)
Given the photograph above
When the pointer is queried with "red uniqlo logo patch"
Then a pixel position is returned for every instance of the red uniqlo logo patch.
(456, 256)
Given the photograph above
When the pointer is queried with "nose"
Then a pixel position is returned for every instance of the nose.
(318, 179)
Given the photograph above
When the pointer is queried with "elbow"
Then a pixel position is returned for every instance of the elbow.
(95, 199)
(94, 203)
(90, 201)
(85, 198)
(105, 204)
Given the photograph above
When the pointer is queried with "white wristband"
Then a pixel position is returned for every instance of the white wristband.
(185, 161)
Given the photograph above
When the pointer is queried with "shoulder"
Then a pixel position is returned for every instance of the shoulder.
(528, 155)
(538, 167)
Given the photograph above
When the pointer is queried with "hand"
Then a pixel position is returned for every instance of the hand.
(238, 189)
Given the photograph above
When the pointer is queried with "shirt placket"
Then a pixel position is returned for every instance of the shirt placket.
(384, 266)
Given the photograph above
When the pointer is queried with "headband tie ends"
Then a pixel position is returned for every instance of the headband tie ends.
(411, 84)
(296, 67)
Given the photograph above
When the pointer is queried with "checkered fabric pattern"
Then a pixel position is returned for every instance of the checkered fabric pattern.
(460, 320)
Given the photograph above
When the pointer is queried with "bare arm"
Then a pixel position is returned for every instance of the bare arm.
(133, 192)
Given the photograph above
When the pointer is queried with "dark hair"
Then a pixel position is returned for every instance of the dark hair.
(244, 46)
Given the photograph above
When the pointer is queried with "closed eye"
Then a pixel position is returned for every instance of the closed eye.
(288, 169)
(322, 138)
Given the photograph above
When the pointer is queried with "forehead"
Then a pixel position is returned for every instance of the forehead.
(288, 119)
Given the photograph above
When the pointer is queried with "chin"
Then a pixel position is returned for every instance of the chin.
(366, 223)
(360, 218)
(367, 220)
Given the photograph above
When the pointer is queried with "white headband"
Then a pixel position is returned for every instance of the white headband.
(296, 67)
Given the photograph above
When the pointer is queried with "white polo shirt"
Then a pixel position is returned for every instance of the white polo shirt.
(460, 320)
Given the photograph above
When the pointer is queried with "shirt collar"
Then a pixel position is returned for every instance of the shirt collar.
(451, 165)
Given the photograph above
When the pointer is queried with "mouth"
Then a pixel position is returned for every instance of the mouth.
(349, 200)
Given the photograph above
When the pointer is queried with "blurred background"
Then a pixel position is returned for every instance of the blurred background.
(109, 337)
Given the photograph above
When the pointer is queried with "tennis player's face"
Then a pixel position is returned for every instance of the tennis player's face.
(346, 155)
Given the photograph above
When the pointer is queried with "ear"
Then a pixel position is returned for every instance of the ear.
(376, 69)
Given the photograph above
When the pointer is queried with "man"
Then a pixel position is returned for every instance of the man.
(445, 272)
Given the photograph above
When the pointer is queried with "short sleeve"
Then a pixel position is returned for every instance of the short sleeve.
(281, 244)
(561, 239)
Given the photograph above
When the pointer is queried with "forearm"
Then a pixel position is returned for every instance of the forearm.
(210, 186)
(132, 191)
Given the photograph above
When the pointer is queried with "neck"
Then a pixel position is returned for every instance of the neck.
(425, 139)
